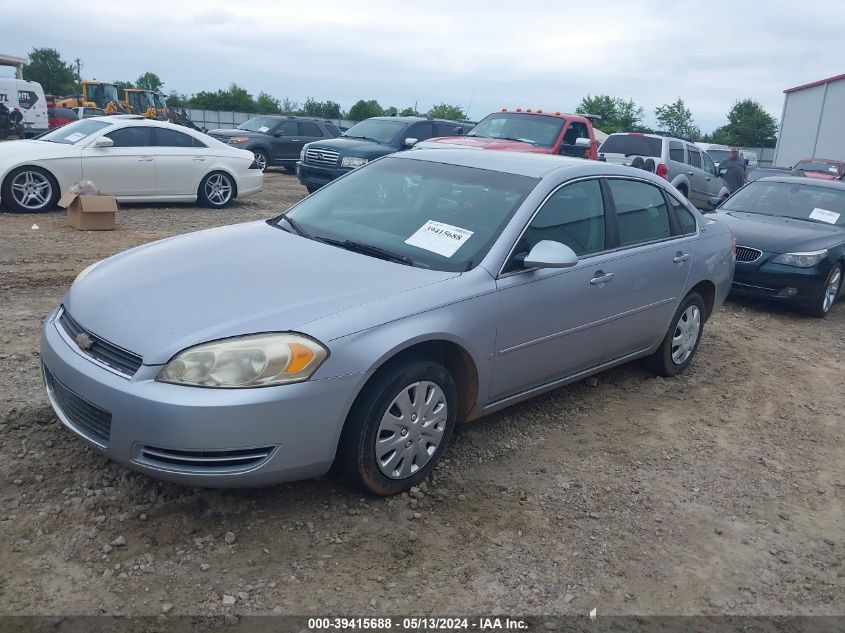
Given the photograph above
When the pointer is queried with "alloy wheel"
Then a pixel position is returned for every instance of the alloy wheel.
(831, 290)
(31, 190)
(218, 189)
(260, 160)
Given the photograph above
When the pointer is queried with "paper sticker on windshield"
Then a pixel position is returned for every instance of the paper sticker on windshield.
(263, 128)
(74, 137)
(443, 239)
(824, 215)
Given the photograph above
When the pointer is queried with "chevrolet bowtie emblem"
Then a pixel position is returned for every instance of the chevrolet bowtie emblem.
(83, 340)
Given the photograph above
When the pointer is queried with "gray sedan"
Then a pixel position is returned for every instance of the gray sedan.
(424, 289)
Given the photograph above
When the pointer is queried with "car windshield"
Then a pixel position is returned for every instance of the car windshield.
(718, 155)
(259, 124)
(431, 215)
(377, 130)
(791, 200)
(632, 145)
(818, 166)
(73, 132)
(536, 129)
(161, 102)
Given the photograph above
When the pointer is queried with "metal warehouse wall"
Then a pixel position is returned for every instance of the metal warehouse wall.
(812, 124)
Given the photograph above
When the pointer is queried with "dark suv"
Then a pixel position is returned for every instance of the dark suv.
(323, 161)
(276, 140)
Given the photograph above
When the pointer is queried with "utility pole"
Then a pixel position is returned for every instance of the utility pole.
(78, 71)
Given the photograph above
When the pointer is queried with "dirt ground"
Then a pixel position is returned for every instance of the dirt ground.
(717, 492)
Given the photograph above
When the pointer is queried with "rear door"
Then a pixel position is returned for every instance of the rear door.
(285, 143)
(127, 168)
(180, 162)
(654, 263)
(698, 185)
(308, 131)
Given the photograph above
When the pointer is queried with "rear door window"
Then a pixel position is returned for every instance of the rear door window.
(641, 212)
(694, 156)
(309, 129)
(420, 131)
(676, 151)
(172, 138)
(135, 136)
(686, 220)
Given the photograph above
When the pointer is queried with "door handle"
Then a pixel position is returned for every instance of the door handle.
(680, 257)
(601, 277)
(708, 178)
(690, 173)
(199, 159)
(145, 159)
(295, 140)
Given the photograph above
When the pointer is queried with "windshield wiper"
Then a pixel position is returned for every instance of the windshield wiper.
(367, 249)
(365, 138)
(295, 226)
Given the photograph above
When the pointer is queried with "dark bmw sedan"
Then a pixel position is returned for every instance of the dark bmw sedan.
(790, 236)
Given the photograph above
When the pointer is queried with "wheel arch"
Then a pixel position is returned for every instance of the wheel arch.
(707, 290)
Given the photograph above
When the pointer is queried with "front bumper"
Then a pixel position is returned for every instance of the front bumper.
(317, 175)
(196, 436)
(788, 284)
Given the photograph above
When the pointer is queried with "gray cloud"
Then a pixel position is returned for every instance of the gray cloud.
(540, 54)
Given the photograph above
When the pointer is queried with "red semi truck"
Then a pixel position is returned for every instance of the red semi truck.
(534, 131)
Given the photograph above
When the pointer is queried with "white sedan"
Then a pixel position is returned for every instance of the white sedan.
(133, 158)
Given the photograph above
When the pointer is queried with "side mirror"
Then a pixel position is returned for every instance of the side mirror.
(549, 254)
(409, 142)
(583, 142)
(103, 141)
(714, 202)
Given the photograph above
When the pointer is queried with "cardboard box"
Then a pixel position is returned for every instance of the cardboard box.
(90, 213)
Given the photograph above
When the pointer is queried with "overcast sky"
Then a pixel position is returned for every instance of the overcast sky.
(480, 55)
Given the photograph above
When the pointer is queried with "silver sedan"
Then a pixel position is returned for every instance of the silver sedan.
(422, 290)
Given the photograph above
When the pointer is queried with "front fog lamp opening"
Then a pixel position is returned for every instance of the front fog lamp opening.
(252, 361)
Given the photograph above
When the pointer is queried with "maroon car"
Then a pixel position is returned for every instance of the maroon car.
(821, 168)
(57, 116)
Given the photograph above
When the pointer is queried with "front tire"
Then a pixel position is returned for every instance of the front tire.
(261, 159)
(399, 427)
(216, 190)
(30, 190)
(829, 293)
(681, 341)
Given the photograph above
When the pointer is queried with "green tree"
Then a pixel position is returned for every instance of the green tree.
(391, 111)
(268, 104)
(177, 100)
(46, 66)
(617, 114)
(149, 81)
(446, 111)
(409, 111)
(321, 109)
(233, 98)
(676, 119)
(364, 110)
(121, 86)
(289, 107)
(749, 125)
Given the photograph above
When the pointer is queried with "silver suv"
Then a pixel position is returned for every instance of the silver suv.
(680, 162)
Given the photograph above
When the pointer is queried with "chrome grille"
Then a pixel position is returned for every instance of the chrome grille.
(107, 353)
(317, 156)
(746, 254)
(86, 418)
(203, 461)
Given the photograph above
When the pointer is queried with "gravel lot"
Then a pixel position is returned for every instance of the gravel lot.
(719, 491)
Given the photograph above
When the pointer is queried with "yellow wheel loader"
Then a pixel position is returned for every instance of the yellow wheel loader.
(95, 94)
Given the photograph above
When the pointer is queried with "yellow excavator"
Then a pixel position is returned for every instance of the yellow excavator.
(140, 101)
(95, 94)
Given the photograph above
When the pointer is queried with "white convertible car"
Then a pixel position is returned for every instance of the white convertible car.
(133, 158)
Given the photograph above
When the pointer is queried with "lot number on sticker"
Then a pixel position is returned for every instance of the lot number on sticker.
(443, 239)
(824, 215)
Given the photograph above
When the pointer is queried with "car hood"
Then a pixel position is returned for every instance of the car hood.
(29, 150)
(227, 133)
(158, 299)
(482, 142)
(354, 147)
(774, 234)
(820, 175)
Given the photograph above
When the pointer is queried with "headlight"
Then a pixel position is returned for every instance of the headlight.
(260, 360)
(302, 155)
(237, 139)
(87, 270)
(801, 260)
(352, 161)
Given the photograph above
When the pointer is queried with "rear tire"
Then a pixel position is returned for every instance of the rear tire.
(30, 190)
(217, 190)
(681, 341)
(399, 427)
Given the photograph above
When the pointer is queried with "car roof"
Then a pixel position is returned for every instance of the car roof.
(801, 180)
(519, 163)
(822, 160)
(414, 119)
(291, 117)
